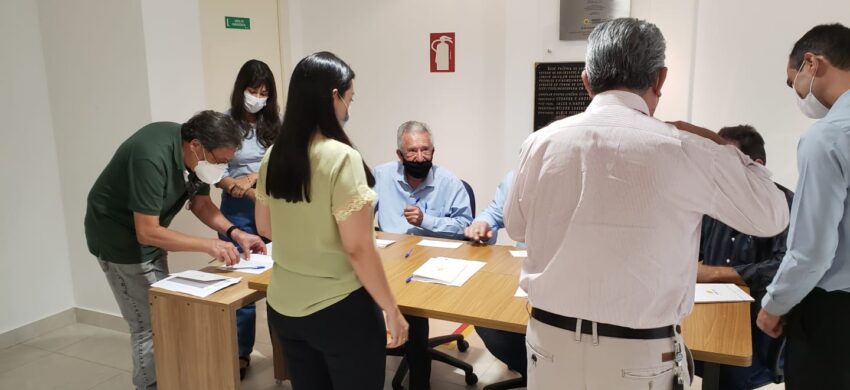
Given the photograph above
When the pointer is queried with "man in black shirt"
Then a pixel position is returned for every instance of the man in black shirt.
(728, 256)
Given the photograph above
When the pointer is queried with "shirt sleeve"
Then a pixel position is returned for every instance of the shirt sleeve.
(458, 216)
(260, 189)
(351, 191)
(817, 211)
(494, 214)
(147, 186)
(521, 192)
(740, 192)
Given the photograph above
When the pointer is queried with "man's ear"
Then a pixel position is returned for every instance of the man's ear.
(759, 161)
(586, 81)
(659, 82)
(399, 155)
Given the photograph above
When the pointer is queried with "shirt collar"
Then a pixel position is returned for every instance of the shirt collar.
(429, 180)
(620, 98)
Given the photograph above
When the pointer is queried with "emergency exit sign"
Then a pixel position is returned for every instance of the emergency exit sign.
(236, 22)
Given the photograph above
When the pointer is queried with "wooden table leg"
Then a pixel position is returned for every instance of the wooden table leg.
(194, 344)
(281, 373)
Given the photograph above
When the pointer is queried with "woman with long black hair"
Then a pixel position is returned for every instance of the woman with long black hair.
(253, 104)
(315, 200)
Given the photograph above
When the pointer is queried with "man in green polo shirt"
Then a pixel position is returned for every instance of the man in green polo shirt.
(132, 203)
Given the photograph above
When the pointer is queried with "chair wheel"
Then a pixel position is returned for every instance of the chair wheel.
(463, 346)
(399, 387)
(471, 379)
(278, 382)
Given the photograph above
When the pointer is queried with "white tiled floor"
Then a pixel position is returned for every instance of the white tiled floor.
(82, 357)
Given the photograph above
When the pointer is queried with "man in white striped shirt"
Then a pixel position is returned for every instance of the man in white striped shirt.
(610, 203)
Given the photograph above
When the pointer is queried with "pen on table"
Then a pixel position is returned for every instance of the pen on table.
(409, 251)
(409, 278)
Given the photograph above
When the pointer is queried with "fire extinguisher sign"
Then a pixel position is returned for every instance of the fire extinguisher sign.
(442, 49)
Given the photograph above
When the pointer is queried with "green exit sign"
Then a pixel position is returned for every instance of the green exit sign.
(237, 22)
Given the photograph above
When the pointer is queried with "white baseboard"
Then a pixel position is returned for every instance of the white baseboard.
(61, 320)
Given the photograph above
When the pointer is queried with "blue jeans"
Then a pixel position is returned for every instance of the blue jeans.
(509, 347)
(240, 212)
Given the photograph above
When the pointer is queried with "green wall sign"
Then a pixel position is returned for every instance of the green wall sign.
(236, 22)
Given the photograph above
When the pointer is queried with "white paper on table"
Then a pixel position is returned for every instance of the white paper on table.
(440, 244)
(520, 293)
(257, 264)
(197, 283)
(444, 270)
(383, 243)
(519, 253)
(720, 292)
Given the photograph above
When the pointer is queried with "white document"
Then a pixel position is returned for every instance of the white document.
(383, 243)
(520, 293)
(443, 270)
(720, 292)
(440, 244)
(197, 283)
(519, 253)
(257, 264)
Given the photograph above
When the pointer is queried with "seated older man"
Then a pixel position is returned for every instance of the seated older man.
(417, 197)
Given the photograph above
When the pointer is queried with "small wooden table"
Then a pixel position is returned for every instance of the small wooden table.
(717, 333)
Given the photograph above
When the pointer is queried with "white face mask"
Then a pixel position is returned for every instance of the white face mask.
(347, 112)
(209, 173)
(810, 106)
(254, 104)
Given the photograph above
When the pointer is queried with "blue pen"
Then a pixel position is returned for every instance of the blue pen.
(409, 278)
(254, 267)
(409, 251)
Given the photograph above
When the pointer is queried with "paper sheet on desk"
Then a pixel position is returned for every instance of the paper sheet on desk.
(383, 243)
(257, 264)
(720, 292)
(197, 283)
(443, 270)
(519, 253)
(520, 293)
(440, 244)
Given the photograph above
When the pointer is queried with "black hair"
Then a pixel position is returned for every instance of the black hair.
(829, 40)
(748, 139)
(213, 129)
(254, 74)
(309, 108)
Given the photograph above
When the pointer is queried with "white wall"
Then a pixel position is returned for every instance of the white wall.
(94, 52)
(36, 280)
(742, 51)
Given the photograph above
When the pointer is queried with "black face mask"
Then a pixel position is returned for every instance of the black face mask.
(417, 170)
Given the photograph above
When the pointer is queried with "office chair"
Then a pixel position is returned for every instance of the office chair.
(462, 345)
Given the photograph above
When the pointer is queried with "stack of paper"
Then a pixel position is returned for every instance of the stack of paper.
(443, 270)
(197, 283)
(440, 244)
(383, 243)
(257, 264)
(720, 292)
(519, 253)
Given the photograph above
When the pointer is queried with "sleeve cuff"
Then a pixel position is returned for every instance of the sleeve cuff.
(428, 222)
(773, 307)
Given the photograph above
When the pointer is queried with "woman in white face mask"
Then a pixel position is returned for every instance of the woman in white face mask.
(253, 104)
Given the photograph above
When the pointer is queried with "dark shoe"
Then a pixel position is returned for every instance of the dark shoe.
(244, 363)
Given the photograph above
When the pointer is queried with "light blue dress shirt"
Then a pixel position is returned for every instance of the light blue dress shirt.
(494, 214)
(441, 197)
(819, 237)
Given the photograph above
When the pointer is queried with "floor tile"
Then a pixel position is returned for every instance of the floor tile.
(61, 338)
(106, 347)
(122, 381)
(19, 355)
(57, 371)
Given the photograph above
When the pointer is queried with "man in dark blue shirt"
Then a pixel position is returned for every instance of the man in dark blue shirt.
(728, 256)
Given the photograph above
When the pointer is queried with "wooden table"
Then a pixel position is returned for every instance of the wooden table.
(717, 333)
(195, 338)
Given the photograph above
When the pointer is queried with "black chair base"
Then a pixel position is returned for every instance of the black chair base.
(515, 383)
(462, 345)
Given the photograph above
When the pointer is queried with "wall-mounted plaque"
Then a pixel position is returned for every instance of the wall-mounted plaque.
(579, 17)
(558, 92)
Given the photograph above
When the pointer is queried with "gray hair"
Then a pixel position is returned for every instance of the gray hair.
(412, 127)
(624, 53)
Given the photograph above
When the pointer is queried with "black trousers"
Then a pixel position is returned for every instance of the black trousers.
(418, 353)
(340, 347)
(818, 342)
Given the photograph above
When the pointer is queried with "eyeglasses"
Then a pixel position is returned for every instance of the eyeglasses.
(412, 153)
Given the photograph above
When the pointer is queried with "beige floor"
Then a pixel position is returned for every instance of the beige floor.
(82, 357)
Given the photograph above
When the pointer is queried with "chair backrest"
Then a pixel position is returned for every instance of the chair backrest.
(471, 196)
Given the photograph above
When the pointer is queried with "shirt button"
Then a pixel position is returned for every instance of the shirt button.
(733, 239)
(728, 261)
